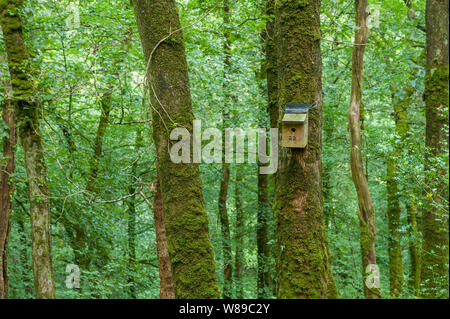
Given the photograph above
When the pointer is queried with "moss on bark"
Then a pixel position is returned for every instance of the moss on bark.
(435, 249)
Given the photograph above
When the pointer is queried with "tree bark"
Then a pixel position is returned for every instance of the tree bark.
(303, 265)
(27, 110)
(239, 237)
(185, 217)
(366, 211)
(165, 269)
(7, 190)
(435, 251)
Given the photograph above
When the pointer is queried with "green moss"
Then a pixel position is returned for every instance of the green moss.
(435, 249)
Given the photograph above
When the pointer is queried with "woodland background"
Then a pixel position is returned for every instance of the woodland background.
(74, 67)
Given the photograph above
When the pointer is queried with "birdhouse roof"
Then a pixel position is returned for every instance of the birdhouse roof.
(296, 109)
(293, 118)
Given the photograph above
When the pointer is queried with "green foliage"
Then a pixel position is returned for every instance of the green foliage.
(73, 66)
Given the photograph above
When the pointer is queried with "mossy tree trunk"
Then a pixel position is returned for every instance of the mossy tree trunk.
(435, 251)
(187, 227)
(303, 265)
(366, 211)
(6, 189)
(27, 111)
(394, 194)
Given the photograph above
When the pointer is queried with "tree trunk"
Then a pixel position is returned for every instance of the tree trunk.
(239, 237)
(227, 292)
(190, 250)
(271, 66)
(226, 236)
(366, 211)
(303, 265)
(165, 269)
(266, 268)
(27, 110)
(132, 239)
(414, 246)
(105, 104)
(435, 251)
(393, 194)
(7, 191)
(131, 204)
(262, 238)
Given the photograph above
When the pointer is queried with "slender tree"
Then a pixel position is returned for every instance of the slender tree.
(185, 217)
(303, 265)
(435, 250)
(393, 205)
(227, 290)
(366, 211)
(266, 275)
(131, 212)
(28, 115)
(6, 188)
(239, 235)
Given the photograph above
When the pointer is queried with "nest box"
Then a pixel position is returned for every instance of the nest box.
(295, 126)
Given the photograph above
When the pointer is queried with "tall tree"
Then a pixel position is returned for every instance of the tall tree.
(393, 203)
(6, 188)
(366, 211)
(411, 202)
(131, 212)
(185, 217)
(303, 265)
(240, 235)
(28, 115)
(265, 280)
(227, 290)
(435, 250)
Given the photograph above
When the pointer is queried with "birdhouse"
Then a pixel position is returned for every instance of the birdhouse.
(295, 126)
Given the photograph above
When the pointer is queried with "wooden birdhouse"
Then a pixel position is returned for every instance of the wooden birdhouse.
(295, 126)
